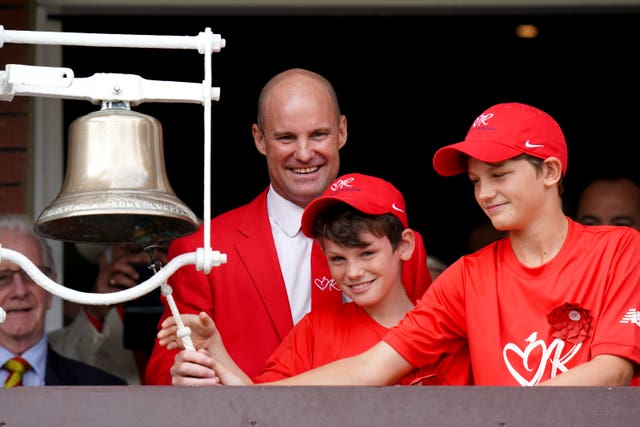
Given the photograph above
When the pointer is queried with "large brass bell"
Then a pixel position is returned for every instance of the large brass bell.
(115, 188)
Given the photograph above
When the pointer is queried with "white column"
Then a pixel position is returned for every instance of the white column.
(48, 154)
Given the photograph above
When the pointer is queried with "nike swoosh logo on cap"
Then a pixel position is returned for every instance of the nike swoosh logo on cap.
(394, 207)
(530, 145)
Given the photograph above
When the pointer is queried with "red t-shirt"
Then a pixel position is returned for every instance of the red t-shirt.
(499, 307)
(328, 334)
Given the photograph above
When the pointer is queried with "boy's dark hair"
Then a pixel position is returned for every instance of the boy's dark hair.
(343, 224)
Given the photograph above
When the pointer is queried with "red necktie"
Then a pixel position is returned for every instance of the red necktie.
(16, 367)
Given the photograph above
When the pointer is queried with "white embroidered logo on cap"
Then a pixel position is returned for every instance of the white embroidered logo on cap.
(482, 120)
(341, 183)
(528, 144)
(394, 207)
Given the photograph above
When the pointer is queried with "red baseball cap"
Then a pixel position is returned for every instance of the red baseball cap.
(502, 132)
(368, 194)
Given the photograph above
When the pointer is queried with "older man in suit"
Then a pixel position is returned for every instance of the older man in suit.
(25, 357)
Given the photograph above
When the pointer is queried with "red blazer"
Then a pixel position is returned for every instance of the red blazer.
(248, 302)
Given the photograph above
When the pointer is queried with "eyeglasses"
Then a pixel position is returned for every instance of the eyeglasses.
(6, 276)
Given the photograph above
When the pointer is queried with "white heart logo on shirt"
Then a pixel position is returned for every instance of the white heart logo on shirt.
(524, 357)
(325, 283)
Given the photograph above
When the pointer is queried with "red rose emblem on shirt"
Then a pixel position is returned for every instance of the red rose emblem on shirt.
(570, 323)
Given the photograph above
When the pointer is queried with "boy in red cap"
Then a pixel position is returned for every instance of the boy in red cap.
(554, 303)
(361, 224)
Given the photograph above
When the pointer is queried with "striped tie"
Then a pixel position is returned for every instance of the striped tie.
(16, 368)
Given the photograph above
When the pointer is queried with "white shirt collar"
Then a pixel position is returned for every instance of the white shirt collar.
(287, 215)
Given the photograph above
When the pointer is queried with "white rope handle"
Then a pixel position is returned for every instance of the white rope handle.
(183, 332)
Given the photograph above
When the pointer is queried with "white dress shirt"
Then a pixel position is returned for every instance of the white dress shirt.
(294, 252)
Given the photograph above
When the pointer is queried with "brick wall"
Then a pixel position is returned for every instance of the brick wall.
(14, 116)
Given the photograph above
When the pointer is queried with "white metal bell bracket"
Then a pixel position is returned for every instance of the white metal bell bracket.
(59, 82)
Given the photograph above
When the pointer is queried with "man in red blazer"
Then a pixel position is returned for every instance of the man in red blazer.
(273, 274)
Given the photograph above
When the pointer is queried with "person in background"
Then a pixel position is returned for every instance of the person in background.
(610, 200)
(555, 303)
(435, 265)
(98, 335)
(361, 224)
(25, 356)
(274, 274)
